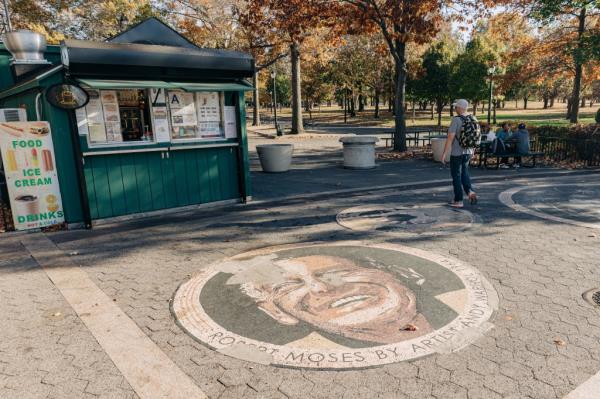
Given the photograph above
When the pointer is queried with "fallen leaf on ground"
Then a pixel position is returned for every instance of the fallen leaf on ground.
(410, 327)
(559, 342)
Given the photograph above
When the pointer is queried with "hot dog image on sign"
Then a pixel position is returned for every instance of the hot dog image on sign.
(31, 178)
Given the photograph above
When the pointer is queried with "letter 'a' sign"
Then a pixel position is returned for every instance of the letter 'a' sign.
(30, 169)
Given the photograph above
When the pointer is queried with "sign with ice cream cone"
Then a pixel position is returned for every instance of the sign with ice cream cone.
(28, 159)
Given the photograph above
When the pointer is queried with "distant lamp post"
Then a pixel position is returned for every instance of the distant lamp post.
(491, 72)
(273, 76)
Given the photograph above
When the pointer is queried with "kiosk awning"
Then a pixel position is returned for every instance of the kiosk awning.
(193, 87)
(158, 84)
(125, 84)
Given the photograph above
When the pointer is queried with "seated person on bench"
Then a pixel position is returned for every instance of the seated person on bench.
(520, 140)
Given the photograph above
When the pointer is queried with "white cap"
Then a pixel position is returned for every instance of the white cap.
(464, 104)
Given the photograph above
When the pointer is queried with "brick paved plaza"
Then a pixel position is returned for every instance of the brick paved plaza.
(530, 249)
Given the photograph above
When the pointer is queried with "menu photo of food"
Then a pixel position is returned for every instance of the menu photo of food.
(108, 96)
(32, 128)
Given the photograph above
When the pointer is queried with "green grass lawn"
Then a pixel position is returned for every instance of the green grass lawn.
(535, 115)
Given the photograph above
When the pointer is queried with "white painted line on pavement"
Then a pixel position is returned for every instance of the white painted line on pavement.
(588, 390)
(150, 372)
(506, 197)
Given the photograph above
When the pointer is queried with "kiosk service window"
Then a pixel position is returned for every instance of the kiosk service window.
(139, 116)
(116, 116)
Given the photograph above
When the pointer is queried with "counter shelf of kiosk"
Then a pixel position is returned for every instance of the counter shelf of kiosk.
(164, 126)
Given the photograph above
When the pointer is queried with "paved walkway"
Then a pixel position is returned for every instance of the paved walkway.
(543, 341)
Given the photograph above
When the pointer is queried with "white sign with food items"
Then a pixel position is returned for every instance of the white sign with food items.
(30, 169)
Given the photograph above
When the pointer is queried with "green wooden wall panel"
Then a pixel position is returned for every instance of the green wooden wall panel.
(231, 165)
(203, 178)
(168, 179)
(193, 177)
(102, 187)
(225, 177)
(115, 183)
(130, 186)
(154, 165)
(177, 159)
(213, 173)
(142, 178)
(91, 188)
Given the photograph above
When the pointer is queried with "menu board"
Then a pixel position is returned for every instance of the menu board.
(112, 118)
(160, 115)
(230, 117)
(95, 118)
(209, 115)
(82, 122)
(29, 166)
(183, 114)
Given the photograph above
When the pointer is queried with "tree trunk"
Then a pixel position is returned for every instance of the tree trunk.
(256, 100)
(376, 101)
(297, 126)
(451, 111)
(494, 115)
(583, 102)
(569, 108)
(414, 110)
(475, 108)
(440, 108)
(431, 116)
(399, 118)
(545, 102)
(574, 114)
(483, 107)
(525, 99)
(361, 103)
(551, 102)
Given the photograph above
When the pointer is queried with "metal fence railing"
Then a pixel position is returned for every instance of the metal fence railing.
(560, 149)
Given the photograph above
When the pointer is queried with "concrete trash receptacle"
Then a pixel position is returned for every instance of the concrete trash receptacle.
(275, 158)
(359, 152)
(437, 148)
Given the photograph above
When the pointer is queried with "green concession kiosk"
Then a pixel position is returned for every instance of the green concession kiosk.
(163, 125)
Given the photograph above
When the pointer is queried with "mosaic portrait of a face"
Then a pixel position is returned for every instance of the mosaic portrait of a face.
(354, 297)
(335, 306)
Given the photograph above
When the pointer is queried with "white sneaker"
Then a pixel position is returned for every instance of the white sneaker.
(504, 166)
(517, 166)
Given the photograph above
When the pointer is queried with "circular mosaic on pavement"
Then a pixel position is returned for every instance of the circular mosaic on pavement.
(338, 306)
(401, 219)
(574, 203)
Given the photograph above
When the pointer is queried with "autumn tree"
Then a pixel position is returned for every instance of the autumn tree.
(580, 32)
(80, 19)
(435, 83)
(470, 78)
(402, 22)
(292, 21)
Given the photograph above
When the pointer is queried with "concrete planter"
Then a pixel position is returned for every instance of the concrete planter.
(437, 148)
(275, 158)
(359, 152)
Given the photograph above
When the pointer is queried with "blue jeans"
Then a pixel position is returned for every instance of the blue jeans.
(459, 170)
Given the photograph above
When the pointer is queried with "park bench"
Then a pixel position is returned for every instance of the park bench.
(485, 153)
(414, 137)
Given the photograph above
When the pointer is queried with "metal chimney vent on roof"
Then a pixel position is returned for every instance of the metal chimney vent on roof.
(27, 49)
